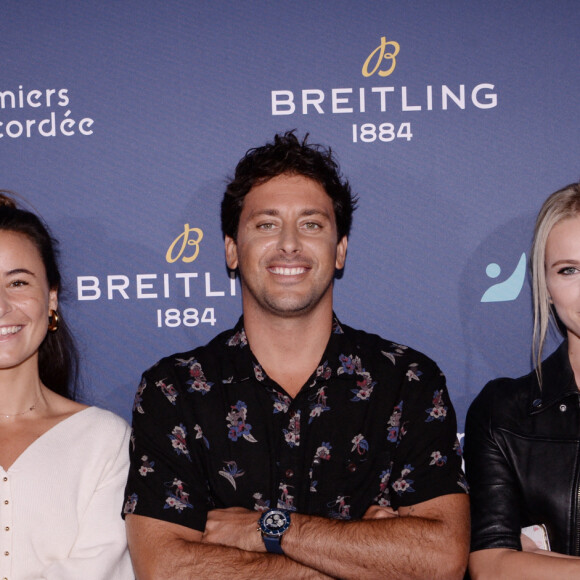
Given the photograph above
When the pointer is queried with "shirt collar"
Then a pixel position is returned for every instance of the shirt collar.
(246, 366)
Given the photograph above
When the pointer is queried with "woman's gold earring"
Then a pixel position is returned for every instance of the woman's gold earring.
(53, 321)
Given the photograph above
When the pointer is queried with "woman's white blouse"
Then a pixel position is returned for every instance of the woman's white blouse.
(61, 500)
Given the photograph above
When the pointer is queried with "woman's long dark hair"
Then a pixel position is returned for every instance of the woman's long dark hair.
(57, 355)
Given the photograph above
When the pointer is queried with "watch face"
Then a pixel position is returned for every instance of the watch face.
(274, 522)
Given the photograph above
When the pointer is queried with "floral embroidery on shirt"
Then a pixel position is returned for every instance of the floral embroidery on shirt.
(360, 444)
(138, 397)
(382, 498)
(438, 459)
(178, 440)
(458, 448)
(231, 472)
(352, 364)
(365, 385)
(292, 434)
(339, 509)
(130, 504)
(258, 372)
(168, 390)
(462, 482)
(146, 466)
(286, 501)
(313, 483)
(237, 425)
(319, 404)
(438, 411)
(323, 452)
(348, 364)
(238, 339)
(281, 402)
(324, 371)
(261, 505)
(199, 435)
(395, 422)
(403, 485)
(177, 497)
(413, 372)
(398, 350)
(198, 382)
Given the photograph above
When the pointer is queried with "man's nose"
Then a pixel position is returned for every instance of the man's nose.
(289, 241)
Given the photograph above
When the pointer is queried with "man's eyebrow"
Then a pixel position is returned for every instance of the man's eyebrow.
(275, 212)
(268, 212)
(315, 212)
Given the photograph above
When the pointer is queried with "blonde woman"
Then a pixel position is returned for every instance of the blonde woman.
(522, 443)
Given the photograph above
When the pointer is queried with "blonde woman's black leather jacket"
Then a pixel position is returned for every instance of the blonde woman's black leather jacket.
(522, 454)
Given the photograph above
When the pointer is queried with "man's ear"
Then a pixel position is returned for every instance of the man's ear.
(341, 253)
(231, 253)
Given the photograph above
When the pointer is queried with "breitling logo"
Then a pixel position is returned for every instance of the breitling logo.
(189, 237)
(379, 55)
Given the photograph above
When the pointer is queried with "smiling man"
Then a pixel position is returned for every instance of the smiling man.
(293, 445)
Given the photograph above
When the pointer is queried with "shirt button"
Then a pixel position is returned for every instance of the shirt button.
(351, 467)
(563, 408)
(7, 529)
(6, 502)
(5, 479)
(289, 473)
(7, 553)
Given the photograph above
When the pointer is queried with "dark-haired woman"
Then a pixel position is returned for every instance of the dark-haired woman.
(63, 465)
(522, 441)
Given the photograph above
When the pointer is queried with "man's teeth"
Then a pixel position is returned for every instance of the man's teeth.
(288, 271)
(5, 330)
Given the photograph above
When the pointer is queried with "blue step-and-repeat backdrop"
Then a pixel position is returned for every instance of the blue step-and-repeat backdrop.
(120, 122)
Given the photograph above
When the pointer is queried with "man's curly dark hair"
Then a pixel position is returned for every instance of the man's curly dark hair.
(287, 155)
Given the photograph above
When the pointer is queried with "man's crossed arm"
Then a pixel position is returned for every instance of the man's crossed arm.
(427, 540)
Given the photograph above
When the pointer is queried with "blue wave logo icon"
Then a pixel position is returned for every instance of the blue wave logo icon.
(508, 289)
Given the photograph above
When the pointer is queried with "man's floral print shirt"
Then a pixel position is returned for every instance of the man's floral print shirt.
(372, 425)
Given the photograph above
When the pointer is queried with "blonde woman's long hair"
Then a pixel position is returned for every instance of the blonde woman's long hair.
(561, 205)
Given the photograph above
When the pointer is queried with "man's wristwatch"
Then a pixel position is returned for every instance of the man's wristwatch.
(273, 524)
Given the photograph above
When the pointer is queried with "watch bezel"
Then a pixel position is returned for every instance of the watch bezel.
(278, 532)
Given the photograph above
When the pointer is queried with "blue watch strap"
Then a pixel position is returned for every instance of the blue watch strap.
(273, 544)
